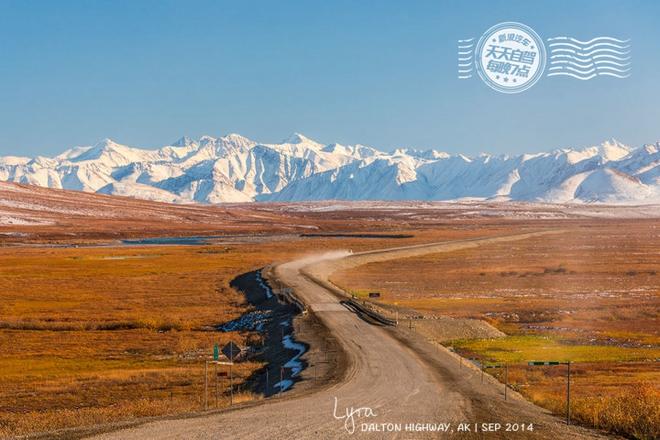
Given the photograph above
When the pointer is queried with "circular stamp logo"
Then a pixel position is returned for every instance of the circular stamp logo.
(510, 57)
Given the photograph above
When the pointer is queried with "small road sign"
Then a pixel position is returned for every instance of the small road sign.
(231, 350)
(216, 352)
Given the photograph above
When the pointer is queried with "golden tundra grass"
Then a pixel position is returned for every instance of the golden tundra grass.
(96, 335)
(590, 295)
(103, 334)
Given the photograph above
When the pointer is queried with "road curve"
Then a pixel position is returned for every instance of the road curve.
(407, 384)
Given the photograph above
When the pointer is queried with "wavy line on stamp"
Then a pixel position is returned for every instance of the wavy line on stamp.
(588, 71)
(584, 43)
(465, 57)
(584, 60)
(585, 78)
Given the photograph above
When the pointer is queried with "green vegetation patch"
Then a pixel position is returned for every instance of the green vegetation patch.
(520, 349)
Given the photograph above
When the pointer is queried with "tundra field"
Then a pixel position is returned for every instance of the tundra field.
(589, 295)
(100, 334)
(95, 331)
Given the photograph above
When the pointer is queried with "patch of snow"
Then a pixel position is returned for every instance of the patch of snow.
(284, 384)
(294, 363)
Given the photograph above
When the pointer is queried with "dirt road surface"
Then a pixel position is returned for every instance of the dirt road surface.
(398, 385)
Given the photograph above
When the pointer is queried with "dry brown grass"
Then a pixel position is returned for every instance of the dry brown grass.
(630, 408)
(96, 335)
(634, 414)
(88, 338)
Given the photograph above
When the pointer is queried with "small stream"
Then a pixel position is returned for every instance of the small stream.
(192, 241)
(273, 320)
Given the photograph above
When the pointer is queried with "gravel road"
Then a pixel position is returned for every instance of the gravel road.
(394, 381)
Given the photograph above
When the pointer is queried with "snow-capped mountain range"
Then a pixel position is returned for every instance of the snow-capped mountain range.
(236, 169)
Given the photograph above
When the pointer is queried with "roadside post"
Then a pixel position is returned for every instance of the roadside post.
(568, 382)
(206, 385)
(231, 383)
(216, 357)
(229, 350)
(215, 368)
(477, 362)
(568, 392)
(506, 375)
(506, 379)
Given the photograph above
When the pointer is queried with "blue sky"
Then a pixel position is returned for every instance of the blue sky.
(378, 73)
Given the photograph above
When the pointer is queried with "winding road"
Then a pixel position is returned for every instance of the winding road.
(399, 385)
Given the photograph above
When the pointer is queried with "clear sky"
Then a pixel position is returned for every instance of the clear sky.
(378, 73)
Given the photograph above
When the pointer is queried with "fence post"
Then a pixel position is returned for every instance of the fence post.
(506, 379)
(206, 385)
(215, 367)
(231, 382)
(568, 393)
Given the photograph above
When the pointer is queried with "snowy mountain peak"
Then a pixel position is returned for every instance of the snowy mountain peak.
(106, 147)
(297, 138)
(233, 168)
(610, 150)
(613, 150)
(652, 148)
(183, 141)
(422, 154)
(107, 144)
(238, 140)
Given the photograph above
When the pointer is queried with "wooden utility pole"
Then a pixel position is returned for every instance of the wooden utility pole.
(231, 381)
(206, 385)
(506, 379)
(215, 365)
(568, 393)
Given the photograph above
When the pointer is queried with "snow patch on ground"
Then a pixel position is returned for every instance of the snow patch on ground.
(249, 322)
(284, 384)
(294, 363)
(263, 285)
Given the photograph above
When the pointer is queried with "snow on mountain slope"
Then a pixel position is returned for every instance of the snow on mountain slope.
(140, 191)
(234, 168)
(611, 150)
(611, 186)
(371, 179)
